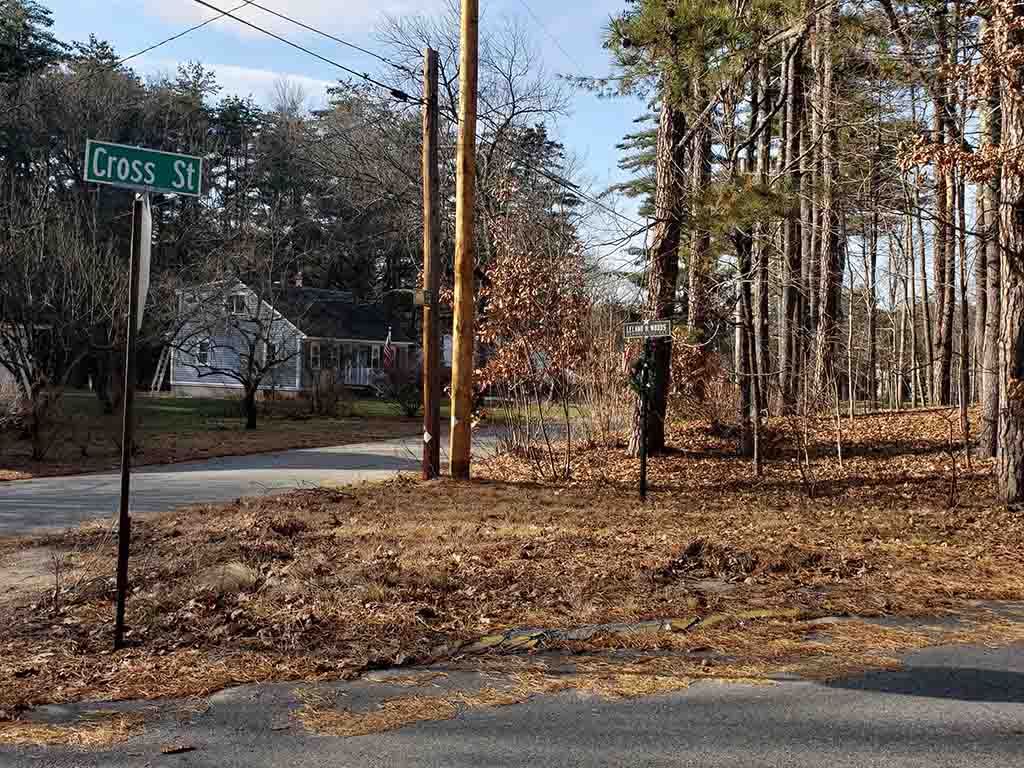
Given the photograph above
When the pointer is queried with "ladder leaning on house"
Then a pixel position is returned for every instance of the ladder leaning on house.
(163, 364)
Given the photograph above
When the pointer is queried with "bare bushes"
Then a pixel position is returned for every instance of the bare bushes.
(328, 394)
(605, 406)
(700, 388)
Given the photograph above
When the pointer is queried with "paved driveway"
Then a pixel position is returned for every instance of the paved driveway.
(59, 502)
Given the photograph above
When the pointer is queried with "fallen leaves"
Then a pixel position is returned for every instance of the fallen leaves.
(323, 584)
(98, 729)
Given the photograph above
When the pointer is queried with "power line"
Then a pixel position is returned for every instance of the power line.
(572, 59)
(172, 38)
(569, 186)
(395, 92)
(339, 40)
(154, 46)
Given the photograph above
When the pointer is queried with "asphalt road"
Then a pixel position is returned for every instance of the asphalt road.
(949, 707)
(27, 506)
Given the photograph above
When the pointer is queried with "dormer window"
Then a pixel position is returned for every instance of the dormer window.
(236, 304)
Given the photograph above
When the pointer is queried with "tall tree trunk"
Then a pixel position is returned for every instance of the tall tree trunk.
(1010, 464)
(939, 274)
(808, 256)
(663, 259)
(945, 375)
(871, 273)
(926, 304)
(746, 356)
(830, 267)
(980, 292)
(700, 244)
(851, 376)
(742, 340)
(812, 216)
(988, 441)
(911, 272)
(945, 204)
(901, 368)
(792, 295)
(250, 407)
(965, 390)
(762, 245)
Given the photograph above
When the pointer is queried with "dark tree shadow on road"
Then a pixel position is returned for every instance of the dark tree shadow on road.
(967, 684)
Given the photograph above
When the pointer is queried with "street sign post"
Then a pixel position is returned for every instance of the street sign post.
(646, 330)
(148, 170)
(145, 170)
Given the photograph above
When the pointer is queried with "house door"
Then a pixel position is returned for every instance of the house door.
(362, 356)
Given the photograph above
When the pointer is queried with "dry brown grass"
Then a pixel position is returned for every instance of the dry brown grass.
(320, 715)
(338, 580)
(99, 729)
(89, 441)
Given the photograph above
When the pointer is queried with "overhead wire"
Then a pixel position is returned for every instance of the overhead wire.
(111, 67)
(172, 38)
(569, 186)
(395, 92)
(565, 184)
(558, 44)
(341, 41)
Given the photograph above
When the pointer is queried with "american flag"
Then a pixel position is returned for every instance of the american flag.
(389, 352)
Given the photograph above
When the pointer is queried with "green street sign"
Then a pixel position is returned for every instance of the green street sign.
(149, 170)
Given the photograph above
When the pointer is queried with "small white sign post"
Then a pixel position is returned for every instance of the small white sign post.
(646, 330)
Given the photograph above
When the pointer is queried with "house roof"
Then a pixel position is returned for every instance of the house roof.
(335, 315)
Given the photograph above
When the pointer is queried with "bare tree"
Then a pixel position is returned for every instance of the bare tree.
(57, 287)
(229, 328)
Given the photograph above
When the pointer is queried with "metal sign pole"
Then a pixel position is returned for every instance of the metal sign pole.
(644, 397)
(648, 330)
(128, 423)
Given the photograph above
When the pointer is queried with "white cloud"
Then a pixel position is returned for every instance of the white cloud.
(353, 18)
(249, 81)
(244, 81)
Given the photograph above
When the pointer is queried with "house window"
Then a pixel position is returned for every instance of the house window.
(375, 356)
(236, 304)
(314, 355)
(271, 356)
(203, 352)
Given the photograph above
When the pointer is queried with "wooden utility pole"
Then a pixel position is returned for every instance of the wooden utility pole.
(431, 275)
(465, 251)
(128, 424)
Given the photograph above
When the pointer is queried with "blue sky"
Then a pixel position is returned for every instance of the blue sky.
(247, 62)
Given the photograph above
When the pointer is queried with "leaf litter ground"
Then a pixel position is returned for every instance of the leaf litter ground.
(328, 583)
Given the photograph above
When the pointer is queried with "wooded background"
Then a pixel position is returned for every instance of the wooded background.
(832, 194)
